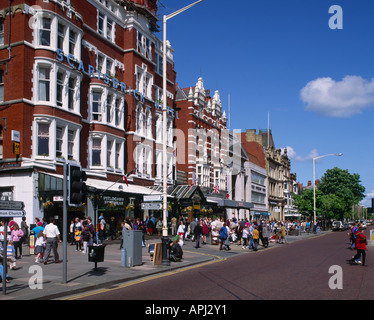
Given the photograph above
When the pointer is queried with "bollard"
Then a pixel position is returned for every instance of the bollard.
(123, 257)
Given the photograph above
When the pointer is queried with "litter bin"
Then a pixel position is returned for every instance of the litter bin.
(96, 254)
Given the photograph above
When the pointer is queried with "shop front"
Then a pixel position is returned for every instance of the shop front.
(191, 202)
(119, 200)
(231, 204)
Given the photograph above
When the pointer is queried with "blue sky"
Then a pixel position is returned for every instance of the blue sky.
(282, 58)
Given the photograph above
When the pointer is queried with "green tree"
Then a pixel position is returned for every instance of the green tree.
(344, 185)
(332, 207)
(335, 195)
(305, 202)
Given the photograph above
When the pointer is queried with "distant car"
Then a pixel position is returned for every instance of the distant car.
(363, 224)
(338, 226)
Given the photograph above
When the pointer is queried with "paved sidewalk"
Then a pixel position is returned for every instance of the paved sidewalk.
(81, 275)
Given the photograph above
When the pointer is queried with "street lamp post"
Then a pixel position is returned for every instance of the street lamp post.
(165, 259)
(314, 179)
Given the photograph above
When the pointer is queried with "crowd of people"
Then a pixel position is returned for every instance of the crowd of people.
(242, 232)
(82, 233)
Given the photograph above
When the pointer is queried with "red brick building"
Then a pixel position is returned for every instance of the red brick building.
(202, 138)
(80, 83)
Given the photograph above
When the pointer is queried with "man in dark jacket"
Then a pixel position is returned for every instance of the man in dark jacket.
(176, 252)
(198, 231)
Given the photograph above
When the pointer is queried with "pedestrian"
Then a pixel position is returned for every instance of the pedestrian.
(250, 236)
(360, 245)
(282, 234)
(16, 236)
(100, 231)
(91, 229)
(86, 235)
(193, 224)
(176, 252)
(352, 236)
(173, 226)
(10, 255)
(52, 237)
(198, 231)
(40, 246)
(71, 233)
(256, 238)
(159, 226)
(205, 228)
(150, 226)
(1, 273)
(223, 236)
(113, 228)
(181, 230)
(245, 234)
(25, 230)
(78, 238)
(2, 226)
(38, 228)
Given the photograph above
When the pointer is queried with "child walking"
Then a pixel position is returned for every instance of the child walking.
(40, 247)
(11, 255)
(78, 239)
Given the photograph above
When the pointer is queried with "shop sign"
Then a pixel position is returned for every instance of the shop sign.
(115, 201)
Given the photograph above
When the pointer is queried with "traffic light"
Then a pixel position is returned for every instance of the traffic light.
(77, 185)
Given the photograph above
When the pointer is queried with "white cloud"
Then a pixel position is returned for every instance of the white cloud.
(291, 153)
(340, 99)
(366, 202)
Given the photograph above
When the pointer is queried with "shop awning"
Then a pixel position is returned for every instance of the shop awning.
(119, 187)
(226, 203)
(183, 192)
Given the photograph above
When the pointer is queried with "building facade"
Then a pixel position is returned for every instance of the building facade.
(81, 84)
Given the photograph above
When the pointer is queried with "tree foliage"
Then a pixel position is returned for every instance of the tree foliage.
(335, 195)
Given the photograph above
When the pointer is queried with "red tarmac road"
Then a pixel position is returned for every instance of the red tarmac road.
(297, 271)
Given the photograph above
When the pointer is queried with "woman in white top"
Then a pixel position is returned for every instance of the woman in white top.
(181, 230)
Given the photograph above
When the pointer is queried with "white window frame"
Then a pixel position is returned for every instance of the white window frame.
(96, 148)
(97, 115)
(47, 80)
(108, 30)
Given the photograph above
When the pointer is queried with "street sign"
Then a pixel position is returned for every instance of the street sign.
(12, 213)
(151, 206)
(11, 205)
(153, 197)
